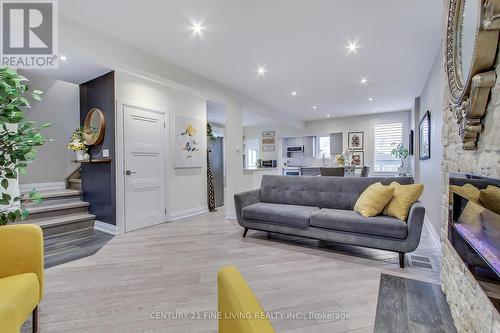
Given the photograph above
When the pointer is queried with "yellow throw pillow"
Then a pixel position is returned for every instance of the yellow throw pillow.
(373, 200)
(468, 191)
(490, 198)
(404, 197)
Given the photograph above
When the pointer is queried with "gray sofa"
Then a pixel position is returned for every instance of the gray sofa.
(322, 208)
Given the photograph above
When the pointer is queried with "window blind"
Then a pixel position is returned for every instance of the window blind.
(387, 137)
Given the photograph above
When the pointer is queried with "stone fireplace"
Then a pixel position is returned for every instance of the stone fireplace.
(471, 309)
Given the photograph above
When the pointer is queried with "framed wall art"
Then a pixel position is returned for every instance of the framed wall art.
(424, 137)
(355, 140)
(268, 141)
(268, 134)
(358, 158)
(188, 144)
(269, 148)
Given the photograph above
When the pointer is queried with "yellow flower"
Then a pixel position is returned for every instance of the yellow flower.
(190, 130)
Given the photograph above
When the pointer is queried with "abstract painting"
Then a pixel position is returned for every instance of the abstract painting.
(189, 142)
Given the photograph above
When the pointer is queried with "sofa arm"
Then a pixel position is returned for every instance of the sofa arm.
(243, 199)
(21, 248)
(415, 223)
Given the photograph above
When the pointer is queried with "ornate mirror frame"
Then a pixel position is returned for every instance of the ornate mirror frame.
(469, 96)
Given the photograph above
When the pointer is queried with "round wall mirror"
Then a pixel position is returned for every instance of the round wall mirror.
(93, 127)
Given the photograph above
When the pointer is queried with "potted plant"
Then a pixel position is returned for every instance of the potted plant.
(18, 141)
(77, 144)
(401, 153)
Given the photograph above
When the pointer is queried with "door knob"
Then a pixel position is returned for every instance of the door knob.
(129, 172)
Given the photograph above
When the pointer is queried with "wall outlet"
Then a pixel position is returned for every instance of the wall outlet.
(105, 153)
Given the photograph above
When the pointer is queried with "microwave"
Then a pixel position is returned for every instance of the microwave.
(269, 163)
(295, 149)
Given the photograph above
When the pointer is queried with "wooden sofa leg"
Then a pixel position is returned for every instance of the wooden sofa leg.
(402, 259)
(35, 320)
(245, 232)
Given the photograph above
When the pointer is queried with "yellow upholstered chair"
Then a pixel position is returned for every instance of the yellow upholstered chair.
(239, 310)
(21, 275)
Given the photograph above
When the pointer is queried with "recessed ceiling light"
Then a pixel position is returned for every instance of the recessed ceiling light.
(261, 70)
(374, 110)
(363, 80)
(328, 116)
(62, 57)
(352, 46)
(197, 28)
(371, 99)
(314, 107)
(294, 93)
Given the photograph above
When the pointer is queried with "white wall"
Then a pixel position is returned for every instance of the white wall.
(61, 107)
(111, 53)
(186, 188)
(363, 123)
(255, 132)
(429, 171)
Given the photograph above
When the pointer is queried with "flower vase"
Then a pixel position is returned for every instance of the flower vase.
(80, 155)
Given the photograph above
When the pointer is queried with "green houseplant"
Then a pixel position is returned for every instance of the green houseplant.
(18, 141)
(401, 153)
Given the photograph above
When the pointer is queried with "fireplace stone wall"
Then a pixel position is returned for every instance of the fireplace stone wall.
(471, 309)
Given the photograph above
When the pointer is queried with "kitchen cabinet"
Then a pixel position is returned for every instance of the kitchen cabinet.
(310, 171)
(309, 143)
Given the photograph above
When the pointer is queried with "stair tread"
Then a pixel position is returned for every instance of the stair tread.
(74, 180)
(65, 219)
(58, 206)
(68, 192)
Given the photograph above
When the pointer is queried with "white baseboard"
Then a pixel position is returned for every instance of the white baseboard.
(432, 232)
(230, 215)
(106, 227)
(188, 212)
(42, 186)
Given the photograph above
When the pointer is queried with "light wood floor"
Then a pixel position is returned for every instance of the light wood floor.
(172, 267)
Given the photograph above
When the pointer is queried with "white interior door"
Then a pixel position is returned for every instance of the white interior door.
(144, 157)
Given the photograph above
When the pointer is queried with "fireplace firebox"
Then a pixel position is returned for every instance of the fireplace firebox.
(474, 229)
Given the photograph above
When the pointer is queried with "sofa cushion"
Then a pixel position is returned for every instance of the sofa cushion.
(348, 220)
(292, 215)
(373, 200)
(404, 197)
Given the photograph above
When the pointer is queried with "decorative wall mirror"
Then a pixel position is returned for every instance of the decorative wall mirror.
(93, 127)
(471, 44)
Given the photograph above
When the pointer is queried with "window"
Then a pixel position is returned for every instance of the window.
(387, 136)
(252, 152)
(324, 146)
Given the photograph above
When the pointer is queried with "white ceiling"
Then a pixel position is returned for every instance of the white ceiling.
(301, 43)
(216, 113)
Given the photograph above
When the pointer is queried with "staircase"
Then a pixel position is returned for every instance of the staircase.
(62, 210)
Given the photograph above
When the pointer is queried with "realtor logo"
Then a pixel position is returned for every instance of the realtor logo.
(29, 33)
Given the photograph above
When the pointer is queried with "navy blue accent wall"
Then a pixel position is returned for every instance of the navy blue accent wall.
(98, 179)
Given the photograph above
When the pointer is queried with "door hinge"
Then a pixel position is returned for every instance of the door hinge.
(164, 125)
(165, 210)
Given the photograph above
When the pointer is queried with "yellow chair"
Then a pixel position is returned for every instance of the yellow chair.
(239, 310)
(21, 275)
